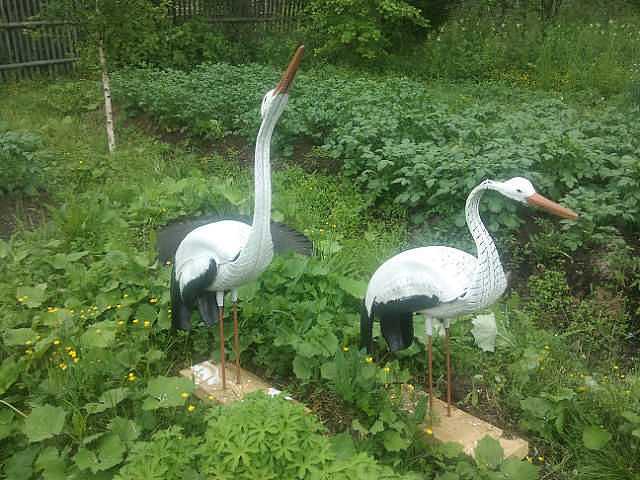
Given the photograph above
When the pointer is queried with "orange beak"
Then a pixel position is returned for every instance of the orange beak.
(551, 207)
(290, 73)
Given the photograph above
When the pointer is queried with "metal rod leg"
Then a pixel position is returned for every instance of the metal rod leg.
(446, 339)
(222, 359)
(236, 342)
(430, 386)
(428, 323)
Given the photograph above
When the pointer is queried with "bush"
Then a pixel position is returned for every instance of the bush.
(22, 163)
(569, 55)
(261, 437)
(357, 31)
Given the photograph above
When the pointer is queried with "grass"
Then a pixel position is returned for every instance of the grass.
(93, 264)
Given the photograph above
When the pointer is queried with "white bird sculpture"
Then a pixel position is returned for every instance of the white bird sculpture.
(213, 255)
(443, 282)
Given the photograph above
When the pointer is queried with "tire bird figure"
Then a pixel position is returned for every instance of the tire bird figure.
(443, 282)
(213, 255)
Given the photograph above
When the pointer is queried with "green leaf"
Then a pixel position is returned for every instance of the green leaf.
(20, 464)
(4, 249)
(19, 336)
(343, 446)
(328, 370)
(107, 400)
(44, 421)
(6, 423)
(630, 416)
(109, 453)
(595, 438)
(450, 449)
(100, 335)
(52, 465)
(167, 392)
(489, 453)
(538, 407)
(147, 312)
(484, 332)
(355, 288)
(393, 441)
(9, 373)
(126, 429)
(303, 367)
(518, 470)
(32, 297)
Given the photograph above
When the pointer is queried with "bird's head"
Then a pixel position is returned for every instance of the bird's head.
(275, 100)
(521, 190)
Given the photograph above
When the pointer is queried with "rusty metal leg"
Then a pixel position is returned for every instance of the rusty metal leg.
(220, 300)
(236, 342)
(429, 330)
(448, 353)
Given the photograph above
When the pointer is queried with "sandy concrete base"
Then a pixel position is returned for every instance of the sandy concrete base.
(465, 429)
(206, 376)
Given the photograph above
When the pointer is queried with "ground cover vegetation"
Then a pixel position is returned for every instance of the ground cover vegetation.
(368, 162)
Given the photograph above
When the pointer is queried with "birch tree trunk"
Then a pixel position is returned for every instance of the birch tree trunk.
(106, 89)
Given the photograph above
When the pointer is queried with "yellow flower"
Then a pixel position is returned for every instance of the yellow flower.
(210, 397)
(126, 295)
(386, 369)
(369, 360)
(153, 300)
(28, 351)
(184, 395)
(56, 342)
(131, 377)
(147, 324)
(63, 366)
(76, 360)
(541, 458)
(73, 353)
(28, 342)
(345, 349)
(135, 321)
(428, 431)
(191, 408)
(120, 322)
(616, 367)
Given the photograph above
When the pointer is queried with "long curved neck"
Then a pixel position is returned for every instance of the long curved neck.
(489, 281)
(258, 250)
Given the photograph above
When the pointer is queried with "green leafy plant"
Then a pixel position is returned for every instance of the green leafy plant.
(22, 163)
(359, 30)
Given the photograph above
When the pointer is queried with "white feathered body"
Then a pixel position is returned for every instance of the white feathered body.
(450, 281)
(223, 242)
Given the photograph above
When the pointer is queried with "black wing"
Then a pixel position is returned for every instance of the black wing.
(396, 319)
(285, 239)
(194, 294)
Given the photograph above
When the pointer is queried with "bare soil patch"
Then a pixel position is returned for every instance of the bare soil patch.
(20, 211)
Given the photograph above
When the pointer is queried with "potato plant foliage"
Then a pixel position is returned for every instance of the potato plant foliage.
(401, 143)
(89, 384)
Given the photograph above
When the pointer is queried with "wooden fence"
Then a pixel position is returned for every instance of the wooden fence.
(267, 15)
(29, 46)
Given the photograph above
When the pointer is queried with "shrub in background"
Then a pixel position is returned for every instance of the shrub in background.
(361, 31)
(22, 163)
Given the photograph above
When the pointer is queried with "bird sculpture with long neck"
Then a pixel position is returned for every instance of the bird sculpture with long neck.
(443, 282)
(213, 255)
